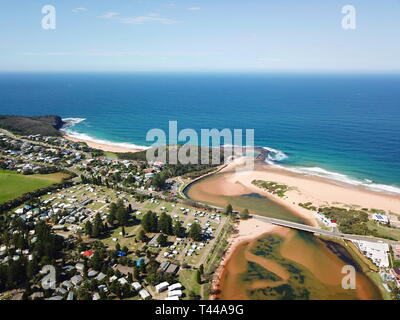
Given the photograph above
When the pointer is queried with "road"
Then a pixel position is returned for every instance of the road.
(319, 231)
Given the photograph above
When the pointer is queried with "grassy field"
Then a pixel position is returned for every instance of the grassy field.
(13, 185)
(188, 279)
(385, 231)
(110, 155)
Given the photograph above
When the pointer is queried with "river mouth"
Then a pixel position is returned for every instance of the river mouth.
(282, 265)
(218, 190)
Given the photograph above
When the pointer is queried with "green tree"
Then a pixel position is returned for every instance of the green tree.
(178, 229)
(111, 218)
(142, 236)
(150, 222)
(88, 228)
(162, 240)
(198, 277)
(165, 223)
(229, 209)
(97, 226)
(195, 232)
(244, 214)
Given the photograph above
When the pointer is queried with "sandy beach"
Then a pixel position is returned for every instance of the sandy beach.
(319, 191)
(306, 188)
(102, 146)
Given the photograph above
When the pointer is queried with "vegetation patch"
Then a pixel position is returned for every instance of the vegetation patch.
(43, 125)
(272, 187)
(13, 185)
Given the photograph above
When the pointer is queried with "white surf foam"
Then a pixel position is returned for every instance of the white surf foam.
(85, 137)
(70, 122)
(275, 156)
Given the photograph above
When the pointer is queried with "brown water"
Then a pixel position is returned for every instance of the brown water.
(217, 190)
(286, 265)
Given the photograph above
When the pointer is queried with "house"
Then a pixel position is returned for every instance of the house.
(175, 293)
(380, 218)
(144, 294)
(92, 273)
(396, 251)
(87, 253)
(163, 266)
(136, 285)
(175, 286)
(100, 276)
(67, 284)
(76, 280)
(172, 269)
(79, 267)
(162, 286)
(396, 274)
(154, 241)
(61, 291)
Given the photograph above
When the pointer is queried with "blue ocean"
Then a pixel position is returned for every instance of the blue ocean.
(342, 126)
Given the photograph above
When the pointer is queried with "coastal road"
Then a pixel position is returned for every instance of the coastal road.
(318, 231)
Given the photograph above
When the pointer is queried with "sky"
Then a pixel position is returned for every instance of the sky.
(200, 35)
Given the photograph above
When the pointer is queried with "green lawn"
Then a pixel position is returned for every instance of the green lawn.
(13, 185)
(385, 231)
(188, 279)
(110, 155)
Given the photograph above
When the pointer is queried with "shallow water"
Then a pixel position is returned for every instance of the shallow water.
(291, 265)
(297, 266)
(211, 190)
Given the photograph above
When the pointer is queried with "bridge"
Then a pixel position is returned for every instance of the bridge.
(318, 231)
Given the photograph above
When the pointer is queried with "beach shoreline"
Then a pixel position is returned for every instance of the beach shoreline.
(101, 146)
(309, 188)
(317, 190)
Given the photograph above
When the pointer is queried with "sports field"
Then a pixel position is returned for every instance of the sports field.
(13, 185)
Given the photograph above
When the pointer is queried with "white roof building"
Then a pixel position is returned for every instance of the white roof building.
(378, 252)
(175, 293)
(174, 286)
(381, 218)
(144, 294)
(136, 285)
(162, 287)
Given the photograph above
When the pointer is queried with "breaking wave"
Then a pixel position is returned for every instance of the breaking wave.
(275, 156)
(70, 122)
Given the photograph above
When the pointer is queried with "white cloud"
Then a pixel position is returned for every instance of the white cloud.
(194, 9)
(150, 18)
(109, 15)
(79, 10)
(145, 19)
